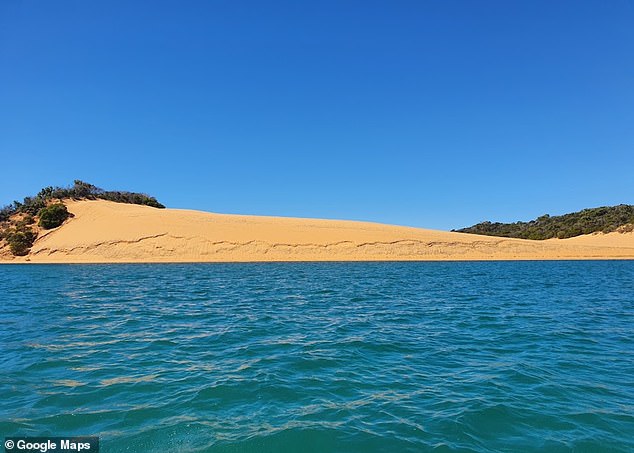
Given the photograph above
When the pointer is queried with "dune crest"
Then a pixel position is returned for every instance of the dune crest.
(108, 232)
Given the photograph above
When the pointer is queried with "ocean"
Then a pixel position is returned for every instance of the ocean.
(321, 357)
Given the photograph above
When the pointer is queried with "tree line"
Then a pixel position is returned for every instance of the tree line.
(605, 219)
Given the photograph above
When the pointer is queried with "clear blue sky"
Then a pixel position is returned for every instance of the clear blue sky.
(436, 113)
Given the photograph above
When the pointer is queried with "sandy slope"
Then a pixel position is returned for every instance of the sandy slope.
(103, 231)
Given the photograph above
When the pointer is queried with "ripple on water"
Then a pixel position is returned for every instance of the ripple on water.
(346, 357)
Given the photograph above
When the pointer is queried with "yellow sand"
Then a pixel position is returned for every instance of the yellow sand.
(106, 232)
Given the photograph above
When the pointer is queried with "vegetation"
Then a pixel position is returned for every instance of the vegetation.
(53, 216)
(83, 190)
(20, 240)
(80, 190)
(46, 209)
(604, 219)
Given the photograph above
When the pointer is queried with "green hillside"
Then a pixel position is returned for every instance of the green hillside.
(604, 219)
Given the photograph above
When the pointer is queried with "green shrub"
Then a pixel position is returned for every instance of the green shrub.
(83, 189)
(53, 216)
(27, 220)
(6, 212)
(131, 198)
(20, 241)
(32, 205)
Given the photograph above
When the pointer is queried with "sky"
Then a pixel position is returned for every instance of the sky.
(436, 114)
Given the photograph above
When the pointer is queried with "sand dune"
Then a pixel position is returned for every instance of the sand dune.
(106, 232)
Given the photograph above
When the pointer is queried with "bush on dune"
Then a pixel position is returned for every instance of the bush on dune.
(20, 240)
(5, 213)
(80, 190)
(131, 198)
(53, 216)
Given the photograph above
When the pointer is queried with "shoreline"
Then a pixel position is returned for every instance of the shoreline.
(104, 232)
(440, 260)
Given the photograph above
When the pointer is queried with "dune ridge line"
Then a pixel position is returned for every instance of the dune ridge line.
(108, 232)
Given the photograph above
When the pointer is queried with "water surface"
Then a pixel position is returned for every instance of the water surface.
(319, 357)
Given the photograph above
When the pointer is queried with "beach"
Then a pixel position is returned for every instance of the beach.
(107, 232)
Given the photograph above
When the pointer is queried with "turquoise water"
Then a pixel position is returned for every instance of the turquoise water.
(331, 357)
